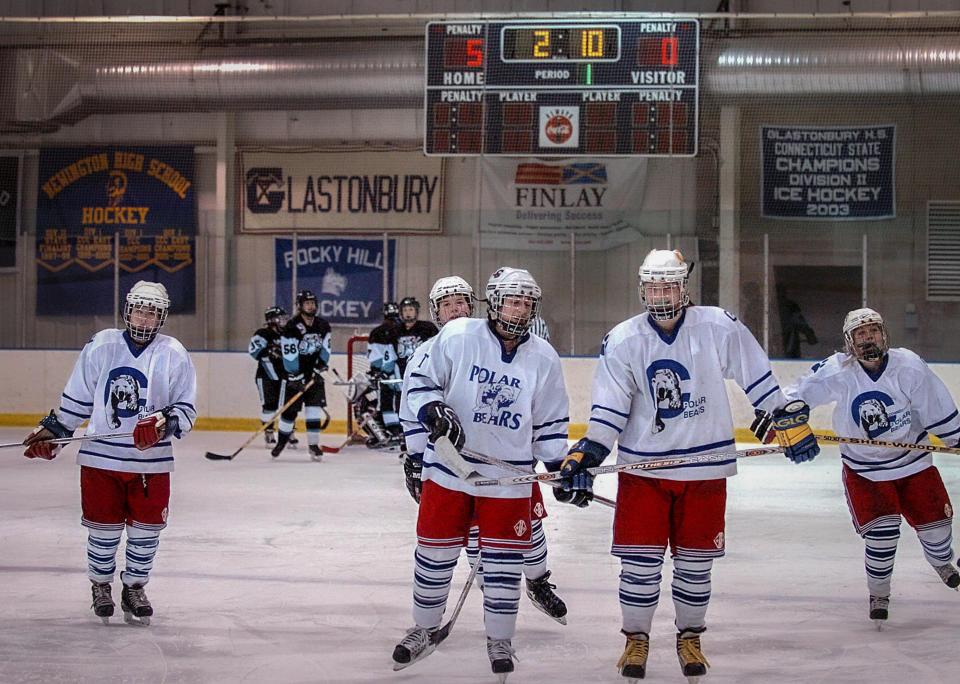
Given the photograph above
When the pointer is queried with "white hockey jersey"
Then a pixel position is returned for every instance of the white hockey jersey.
(414, 434)
(513, 406)
(664, 395)
(902, 402)
(114, 384)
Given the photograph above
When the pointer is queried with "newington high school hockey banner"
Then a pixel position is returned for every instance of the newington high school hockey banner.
(342, 192)
(145, 195)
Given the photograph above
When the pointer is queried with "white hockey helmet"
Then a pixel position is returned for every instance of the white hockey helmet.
(869, 351)
(512, 282)
(449, 286)
(148, 298)
(664, 266)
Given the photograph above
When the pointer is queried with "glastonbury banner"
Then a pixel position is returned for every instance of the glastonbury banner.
(145, 195)
(842, 173)
(346, 276)
(602, 203)
(343, 193)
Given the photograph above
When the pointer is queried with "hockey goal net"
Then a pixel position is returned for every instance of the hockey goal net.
(357, 362)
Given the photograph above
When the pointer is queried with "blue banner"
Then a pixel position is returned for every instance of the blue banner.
(89, 194)
(843, 173)
(346, 276)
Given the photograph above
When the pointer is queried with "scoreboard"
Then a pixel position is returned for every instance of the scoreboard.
(562, 87)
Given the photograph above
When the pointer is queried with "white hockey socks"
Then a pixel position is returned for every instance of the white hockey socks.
(691, 591)
(142, 543)
(433, 570)
(879, 554)
(640, 591)
(102, 553)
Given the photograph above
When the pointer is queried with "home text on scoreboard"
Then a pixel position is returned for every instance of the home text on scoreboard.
(562, 88)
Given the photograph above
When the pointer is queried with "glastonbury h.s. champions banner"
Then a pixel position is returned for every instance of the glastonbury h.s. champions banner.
(89, 194)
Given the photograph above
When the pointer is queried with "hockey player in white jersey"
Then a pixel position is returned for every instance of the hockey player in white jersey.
(889, 395)
(452, 297)
(138, 381)
(493, 387)
(659, 390)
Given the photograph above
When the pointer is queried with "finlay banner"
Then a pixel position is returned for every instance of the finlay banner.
(837, 173)
(528, 204)
(145, 195)
(342, 192)
(346, 276)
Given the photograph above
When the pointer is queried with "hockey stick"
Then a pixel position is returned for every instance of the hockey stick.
(890, 445)
(229, 457)
(67, 440)
(645, 465)
(447, 455)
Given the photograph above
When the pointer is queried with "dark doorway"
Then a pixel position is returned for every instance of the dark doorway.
(807, 309)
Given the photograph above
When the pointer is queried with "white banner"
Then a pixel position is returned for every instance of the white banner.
(342, 192)
(529, 204)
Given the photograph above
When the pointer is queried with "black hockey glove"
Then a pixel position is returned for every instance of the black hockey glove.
(794, 433)
(576, 482)
(762, 427)
(412, 470)
(318, 369)
(442, 422)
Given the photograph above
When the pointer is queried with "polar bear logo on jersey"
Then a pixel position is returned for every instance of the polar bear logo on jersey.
(873, 417)
(124, 396)
(493, 399)
(666, 393)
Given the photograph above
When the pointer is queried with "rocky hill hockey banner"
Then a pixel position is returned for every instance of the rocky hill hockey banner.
(342, 192)
(828, 173)
(531, 204)
(86, 196)
(346, 276)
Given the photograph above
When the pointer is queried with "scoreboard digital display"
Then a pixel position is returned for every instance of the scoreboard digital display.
(562, 88)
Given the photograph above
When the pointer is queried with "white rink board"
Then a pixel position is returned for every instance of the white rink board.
(292, 571)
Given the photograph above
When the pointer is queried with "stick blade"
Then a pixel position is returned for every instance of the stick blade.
(219, 457)
(451, 458)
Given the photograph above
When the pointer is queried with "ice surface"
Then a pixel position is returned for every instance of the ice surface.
(292, 571)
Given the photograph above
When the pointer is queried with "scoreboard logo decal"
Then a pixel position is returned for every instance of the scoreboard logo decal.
(559, 127)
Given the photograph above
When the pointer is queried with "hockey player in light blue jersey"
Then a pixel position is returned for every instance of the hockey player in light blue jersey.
(138, 381)
(659, 391)
(890, 395)
(495, 388)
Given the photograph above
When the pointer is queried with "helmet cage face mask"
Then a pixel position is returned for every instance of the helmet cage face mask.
(450, 287)
(512, 282)
(869, 351)
(664, 268)
(145, 311)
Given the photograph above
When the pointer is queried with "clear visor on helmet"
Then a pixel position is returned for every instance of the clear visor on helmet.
(664, 300)
(143, 319)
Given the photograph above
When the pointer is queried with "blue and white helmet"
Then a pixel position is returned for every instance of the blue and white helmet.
(664, 266)
(512, 282)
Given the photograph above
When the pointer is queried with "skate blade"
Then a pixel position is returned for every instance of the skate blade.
(131, 619)
(105, 619)
(427, 651)
(562, 620)
(502, 677)
(879, 624)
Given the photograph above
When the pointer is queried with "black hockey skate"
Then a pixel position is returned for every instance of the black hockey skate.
(633, 662)
(501, 656)
(135, 605)
(416, 645)
(316, 453)
(102, 601)
(949, 575)
(692, 661)
(879, 609)
(541, 594)
(282, 439)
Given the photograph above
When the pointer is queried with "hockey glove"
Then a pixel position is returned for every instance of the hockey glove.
(412, 470)
(151, 429)
(576, 482)
(761, 427)
(37, 442)
(441, 421)
(794, 433)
